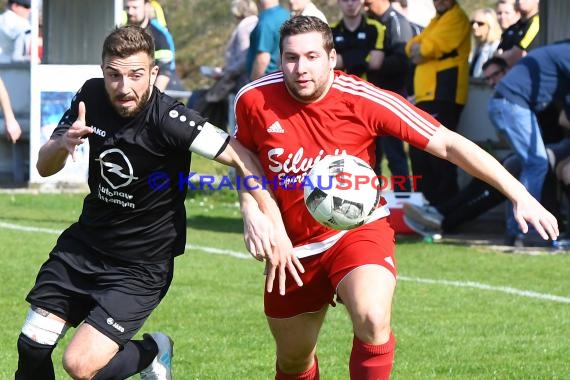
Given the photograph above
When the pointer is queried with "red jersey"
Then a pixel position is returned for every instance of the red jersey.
(289, 137)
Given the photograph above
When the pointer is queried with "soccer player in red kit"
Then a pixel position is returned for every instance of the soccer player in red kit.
(296, 116)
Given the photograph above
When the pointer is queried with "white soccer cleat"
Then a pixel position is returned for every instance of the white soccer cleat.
(426, 215)
(161, 366)
(425, 231)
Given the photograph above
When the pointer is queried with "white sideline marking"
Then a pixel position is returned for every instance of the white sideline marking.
(219, 251)
(480, 286)
(241, 255)
(10, 226)
(212, 250)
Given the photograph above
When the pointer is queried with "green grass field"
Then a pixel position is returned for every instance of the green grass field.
(459, 313)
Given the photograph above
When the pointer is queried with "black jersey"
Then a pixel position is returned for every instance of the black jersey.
(396, 67)
(522, 34)
(138, 170)
(355, 46)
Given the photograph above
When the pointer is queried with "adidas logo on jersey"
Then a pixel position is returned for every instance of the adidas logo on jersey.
(275, 128)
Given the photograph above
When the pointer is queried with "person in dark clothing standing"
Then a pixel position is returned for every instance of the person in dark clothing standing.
(441, 83)
(521, 37)
(138, 14)
(393, 75)
(358, 40)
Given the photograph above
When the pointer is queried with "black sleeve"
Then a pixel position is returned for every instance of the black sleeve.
(398, 32)
(179, 125)
(186, 130)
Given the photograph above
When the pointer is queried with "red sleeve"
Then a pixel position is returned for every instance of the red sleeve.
(393, 115)
(386, 113)
(407, 122)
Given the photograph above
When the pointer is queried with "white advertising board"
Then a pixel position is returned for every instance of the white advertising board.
(53, 87)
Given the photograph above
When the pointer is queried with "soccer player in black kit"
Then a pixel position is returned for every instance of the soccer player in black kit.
(111, 269)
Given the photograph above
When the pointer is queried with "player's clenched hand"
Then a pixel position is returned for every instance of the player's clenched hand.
(75, 135)
(529, 210)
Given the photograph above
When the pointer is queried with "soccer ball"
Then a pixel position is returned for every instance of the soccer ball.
(341, 191)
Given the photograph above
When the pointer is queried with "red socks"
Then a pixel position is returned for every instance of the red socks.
(367, 362)
(371, 362)
(310, 374)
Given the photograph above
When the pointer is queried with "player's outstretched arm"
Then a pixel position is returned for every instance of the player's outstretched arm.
(53, 154)
(475, 161)
(279, 252)
(13, 130)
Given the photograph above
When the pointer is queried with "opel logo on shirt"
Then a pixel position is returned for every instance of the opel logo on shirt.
(116, 169)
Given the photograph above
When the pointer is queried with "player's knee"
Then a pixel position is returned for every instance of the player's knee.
(42, 329)
(77, 366)
(373, 325)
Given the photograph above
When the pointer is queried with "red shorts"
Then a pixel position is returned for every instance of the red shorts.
(372, 243)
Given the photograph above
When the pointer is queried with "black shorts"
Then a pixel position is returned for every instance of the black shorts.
(114, 296)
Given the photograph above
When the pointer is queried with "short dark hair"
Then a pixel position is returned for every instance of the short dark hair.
(127, 40)
(496, 61)
(307, 24)
(23, 3)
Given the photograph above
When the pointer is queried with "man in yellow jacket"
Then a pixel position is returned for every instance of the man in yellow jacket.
(441, 80)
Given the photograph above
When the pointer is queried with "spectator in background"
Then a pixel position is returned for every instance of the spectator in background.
(562, 167)
(358, 40)
(507, 13)
(536, 81)
(401, 6)
(234, 70)
(138, 14)
(441, 83)
(305, 8)
(477, 197)
(486, 36)
(155, 11)
(263, 53)
(12, 127)
(520, 37)
(216, 103)
(393, 75)
(15, 32)
(493, 70)
(245, 13)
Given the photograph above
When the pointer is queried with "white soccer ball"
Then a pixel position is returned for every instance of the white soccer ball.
(341, 191)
